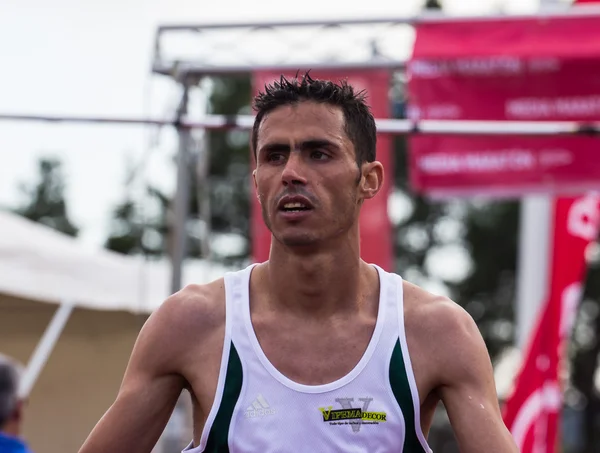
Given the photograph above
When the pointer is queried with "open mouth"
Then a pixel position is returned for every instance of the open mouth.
(294, 207)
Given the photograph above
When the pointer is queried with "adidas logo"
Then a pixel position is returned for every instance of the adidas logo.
(259, 408)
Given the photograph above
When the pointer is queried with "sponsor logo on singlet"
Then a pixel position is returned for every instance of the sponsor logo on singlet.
(352, 413)
(259, 408)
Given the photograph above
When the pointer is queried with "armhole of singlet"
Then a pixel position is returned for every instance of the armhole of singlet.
(402, 355)
(225, 359)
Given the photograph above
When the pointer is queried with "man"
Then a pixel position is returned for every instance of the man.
(309, 351)
(11, 407)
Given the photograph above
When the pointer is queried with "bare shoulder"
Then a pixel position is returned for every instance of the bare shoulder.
(196, 303)
(451, 363)
(189, 317)
(442, 331)
(436, 316)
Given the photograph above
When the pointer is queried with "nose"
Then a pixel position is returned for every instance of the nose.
(293, 172)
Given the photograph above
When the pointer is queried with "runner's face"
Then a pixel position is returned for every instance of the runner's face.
(306, 176)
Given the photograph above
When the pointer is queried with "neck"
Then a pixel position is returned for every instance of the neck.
(316, 283)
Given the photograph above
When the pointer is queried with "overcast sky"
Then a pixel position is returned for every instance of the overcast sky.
(72, 57)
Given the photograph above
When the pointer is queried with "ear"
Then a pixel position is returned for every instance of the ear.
(372, 179)
(255, 185)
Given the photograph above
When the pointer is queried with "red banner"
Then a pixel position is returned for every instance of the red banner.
(509, 69)
(533, 409)
(375, 226)
(503, 166)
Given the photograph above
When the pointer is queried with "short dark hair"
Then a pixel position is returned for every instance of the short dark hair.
(359, 122)
(10, 376)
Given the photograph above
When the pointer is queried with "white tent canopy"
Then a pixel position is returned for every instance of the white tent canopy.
(39, 263)
(43, 265)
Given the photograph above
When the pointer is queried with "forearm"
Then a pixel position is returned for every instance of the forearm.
(128, 427)
(483, 433)
(476, 419)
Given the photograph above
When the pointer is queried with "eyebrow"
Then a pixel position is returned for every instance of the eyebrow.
(305, 145)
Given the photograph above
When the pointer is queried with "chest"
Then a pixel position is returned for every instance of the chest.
(314, 353)
(317, 389)
(355, 417)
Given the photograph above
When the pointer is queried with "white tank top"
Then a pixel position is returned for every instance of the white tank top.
(373, 409)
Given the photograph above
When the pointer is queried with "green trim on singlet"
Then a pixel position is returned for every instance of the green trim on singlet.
(403, 394)
(219, 432)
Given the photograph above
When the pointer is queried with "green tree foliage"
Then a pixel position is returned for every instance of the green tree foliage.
(486, 231)
(44, 198)
(584, 352)
(132, 232)
(488, 293)
(139, 222)
(229, 183)
(432, 5)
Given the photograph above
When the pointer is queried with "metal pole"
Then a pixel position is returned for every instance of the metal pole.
(384, 125)
(534, 252)
(200, 68)
(44, 348)
(533, 263)
(558, 10)
(203, 194)
(170, 440)
(182, 194)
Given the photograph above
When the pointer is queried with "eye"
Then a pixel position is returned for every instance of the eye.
(319, 155)
(275, 157)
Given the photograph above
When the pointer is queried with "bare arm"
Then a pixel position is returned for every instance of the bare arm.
(150, 387)
(467, 385)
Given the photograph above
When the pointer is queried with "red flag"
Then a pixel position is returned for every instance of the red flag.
(533, 409)
(375, 226)
(532, 413)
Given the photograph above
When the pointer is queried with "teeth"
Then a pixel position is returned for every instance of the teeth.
(293, 206)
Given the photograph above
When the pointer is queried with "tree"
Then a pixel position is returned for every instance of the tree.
(132, 234)
(491, 235)
(486, 232)
(432, 5)
(44, 199)
(229, 181)
(583, 393)
(133, 229)
(228, 188)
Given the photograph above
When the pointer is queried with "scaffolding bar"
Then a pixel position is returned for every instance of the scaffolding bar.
(179, 69)
(384, 125)
(558, 11)
(44, 348)
(86, 119)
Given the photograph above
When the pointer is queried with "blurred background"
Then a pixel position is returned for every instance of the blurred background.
(110, 190)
